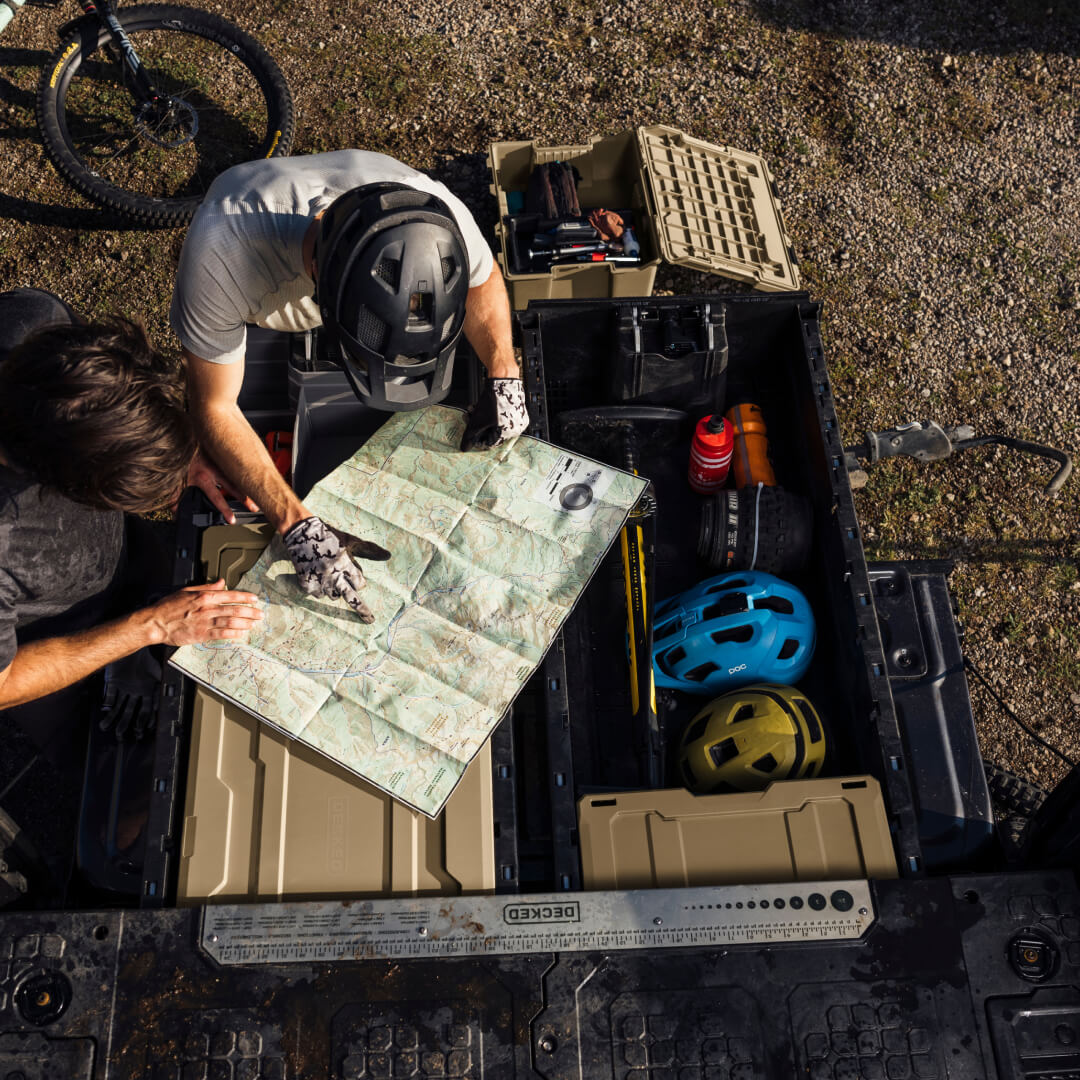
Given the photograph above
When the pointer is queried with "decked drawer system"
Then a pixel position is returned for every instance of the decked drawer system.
(937, 972)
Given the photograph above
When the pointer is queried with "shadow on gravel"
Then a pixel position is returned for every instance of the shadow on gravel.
(997, 27)
(63, 217)
(467, 176)
(12, 95)
(1029, 552)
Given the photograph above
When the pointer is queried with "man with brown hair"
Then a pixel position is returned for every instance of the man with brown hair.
(92, 425)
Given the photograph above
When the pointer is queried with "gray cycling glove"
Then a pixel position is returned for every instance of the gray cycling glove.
(323, 557)
(498, 414)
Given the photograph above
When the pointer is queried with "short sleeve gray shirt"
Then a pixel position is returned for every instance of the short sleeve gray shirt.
(242, 260)
(57, 561)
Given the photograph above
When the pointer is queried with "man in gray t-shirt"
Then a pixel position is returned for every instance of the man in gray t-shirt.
(258, 250)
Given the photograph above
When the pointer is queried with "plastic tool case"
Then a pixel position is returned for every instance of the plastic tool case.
(693, 203)
(961, 977)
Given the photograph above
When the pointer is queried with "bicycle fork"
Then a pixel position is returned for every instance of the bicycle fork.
(145, 91)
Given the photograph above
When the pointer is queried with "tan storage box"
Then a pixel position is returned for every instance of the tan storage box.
(694, 203)
(267, 818)
(794, 830)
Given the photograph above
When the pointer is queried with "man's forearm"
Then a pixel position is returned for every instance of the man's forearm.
(488, 328)
(43, 667)
(231, 442)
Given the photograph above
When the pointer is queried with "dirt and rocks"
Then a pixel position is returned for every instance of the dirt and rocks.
(927, 159)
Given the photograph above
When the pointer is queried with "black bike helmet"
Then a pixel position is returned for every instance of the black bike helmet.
(391, 277)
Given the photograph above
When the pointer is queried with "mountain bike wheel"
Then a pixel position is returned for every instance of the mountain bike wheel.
(225, 101)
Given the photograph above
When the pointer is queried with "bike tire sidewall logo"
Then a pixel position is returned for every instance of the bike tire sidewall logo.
(60, 64)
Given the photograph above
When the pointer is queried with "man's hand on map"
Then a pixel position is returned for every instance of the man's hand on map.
(323, 559)
(498, 414)
(200, 613)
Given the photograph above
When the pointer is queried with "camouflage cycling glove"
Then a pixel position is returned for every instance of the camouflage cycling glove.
(323, 557)
(498, 414)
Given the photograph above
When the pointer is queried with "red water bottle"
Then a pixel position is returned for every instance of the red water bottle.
(710, 454)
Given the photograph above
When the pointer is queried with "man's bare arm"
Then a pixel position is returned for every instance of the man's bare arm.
(199, 613)
(230, 441)
(487, 327)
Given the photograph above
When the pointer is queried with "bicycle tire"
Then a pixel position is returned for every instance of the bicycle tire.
(70, 155)
(1013, 793)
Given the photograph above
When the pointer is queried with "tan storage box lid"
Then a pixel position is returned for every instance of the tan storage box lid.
(267, 818)
(716, 209)
(794, 830)
(230, 551)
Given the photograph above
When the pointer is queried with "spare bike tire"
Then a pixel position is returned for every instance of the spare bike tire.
(1012, 793)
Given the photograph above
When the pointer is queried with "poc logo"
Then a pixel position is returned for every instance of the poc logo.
(733, 670)
(517, 914)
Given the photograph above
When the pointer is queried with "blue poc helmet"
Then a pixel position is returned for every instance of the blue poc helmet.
(730, 631)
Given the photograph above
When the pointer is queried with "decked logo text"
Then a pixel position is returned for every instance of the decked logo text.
(516, 914)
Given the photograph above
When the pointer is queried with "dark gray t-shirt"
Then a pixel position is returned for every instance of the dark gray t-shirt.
(57, 561)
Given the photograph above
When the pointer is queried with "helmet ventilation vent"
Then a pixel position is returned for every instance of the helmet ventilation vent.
(812, 725)
(766, 763)
(701, 672)
(696, 729)
(723, 752)
(744, 712)
(447, 269)
(675, 656)
(728, 604)
(788, 649)
(723, 586)
(738, 634)
(780, 604)
(370, 329)
(390, 272)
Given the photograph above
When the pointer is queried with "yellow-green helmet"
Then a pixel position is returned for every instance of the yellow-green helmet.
(745, 740)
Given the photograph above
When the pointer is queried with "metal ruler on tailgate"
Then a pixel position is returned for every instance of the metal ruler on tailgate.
(400, 929)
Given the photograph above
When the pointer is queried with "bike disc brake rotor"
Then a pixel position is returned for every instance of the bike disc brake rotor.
(167, 122)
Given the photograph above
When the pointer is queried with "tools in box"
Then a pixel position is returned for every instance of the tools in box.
(548, 227)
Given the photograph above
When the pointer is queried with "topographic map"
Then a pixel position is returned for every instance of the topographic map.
(491, 550)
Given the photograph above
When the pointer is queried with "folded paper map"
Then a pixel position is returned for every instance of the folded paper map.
(491, 551)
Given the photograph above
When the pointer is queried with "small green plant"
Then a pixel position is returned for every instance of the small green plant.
(1063, 576)
(1013, 626)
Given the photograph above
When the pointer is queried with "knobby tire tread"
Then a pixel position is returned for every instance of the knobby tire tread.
(149, 210)
(1011, 792)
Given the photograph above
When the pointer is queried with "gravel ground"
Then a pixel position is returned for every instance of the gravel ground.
(926, 156)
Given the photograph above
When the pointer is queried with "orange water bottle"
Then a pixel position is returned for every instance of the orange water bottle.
(750, 457)
(710, 454)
